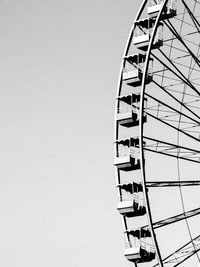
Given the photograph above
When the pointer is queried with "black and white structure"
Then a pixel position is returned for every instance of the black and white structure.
(157, 135)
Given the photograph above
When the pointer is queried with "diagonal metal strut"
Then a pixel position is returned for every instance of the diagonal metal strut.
(172, 183)
(183, 253)
(175, 218)
(172, 150)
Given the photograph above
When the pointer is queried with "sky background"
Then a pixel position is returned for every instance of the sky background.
(59, 65)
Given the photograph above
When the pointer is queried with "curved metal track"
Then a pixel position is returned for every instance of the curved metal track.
(162, 118)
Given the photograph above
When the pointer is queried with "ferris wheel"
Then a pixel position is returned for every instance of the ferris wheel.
(157, 135)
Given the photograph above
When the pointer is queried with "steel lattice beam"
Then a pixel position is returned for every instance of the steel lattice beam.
(175, 218)
(172, 183)
(172, 150)
(183, 253)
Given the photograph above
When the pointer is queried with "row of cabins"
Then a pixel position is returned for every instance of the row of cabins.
(133, 71)
(131, 204)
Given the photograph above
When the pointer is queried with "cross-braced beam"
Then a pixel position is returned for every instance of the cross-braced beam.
(183, 253)
(172, 150)
(172, 183)
(175, 218)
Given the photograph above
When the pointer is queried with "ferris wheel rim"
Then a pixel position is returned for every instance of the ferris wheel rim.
(159, 258)
(141, 135)
(141, 115)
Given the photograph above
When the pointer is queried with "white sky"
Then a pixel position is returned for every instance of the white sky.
(59, 64)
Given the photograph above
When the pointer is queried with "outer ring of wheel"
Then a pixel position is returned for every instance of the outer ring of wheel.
(143, 176)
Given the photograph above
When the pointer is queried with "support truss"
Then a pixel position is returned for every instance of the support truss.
(172, 150)
(172, 183)
(174, 219)
(183, 253)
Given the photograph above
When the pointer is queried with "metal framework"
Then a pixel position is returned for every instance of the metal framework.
(157, 135)
(182, 254)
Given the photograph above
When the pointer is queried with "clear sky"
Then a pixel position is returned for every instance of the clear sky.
(59, 65)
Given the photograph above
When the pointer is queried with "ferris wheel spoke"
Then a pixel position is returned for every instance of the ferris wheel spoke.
(178, 101)
(188, 158)
(174, 127)
(174, 38)
(182, 77)
(175, 48)
(172, 150)
(183, 253)
(181, 38)
(180, 93)
(195, 21)
(187, 67)
(173, 62)
(172, 183)
(172, 109)
(197, 3)
(185, 22)
(173, 30)
(174, 219)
